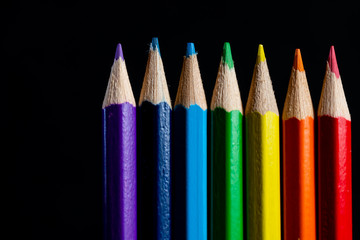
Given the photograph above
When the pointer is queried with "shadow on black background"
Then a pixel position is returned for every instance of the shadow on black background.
(56, 60)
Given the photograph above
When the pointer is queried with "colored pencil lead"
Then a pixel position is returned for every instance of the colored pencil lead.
(260, 54)
(119, 52)
(190, 49)
(155, 44)
(298, 63)
(227, 57)
(333, 63)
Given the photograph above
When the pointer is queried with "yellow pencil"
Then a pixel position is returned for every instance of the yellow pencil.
(262, 156)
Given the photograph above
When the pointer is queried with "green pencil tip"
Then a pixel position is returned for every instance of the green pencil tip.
(226, 56)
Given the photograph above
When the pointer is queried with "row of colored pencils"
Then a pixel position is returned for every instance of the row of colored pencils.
(155, 157)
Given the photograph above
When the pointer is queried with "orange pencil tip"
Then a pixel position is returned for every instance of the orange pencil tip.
(298, 63)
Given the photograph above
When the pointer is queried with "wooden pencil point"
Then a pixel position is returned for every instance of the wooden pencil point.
(190, 90)
(154, 88)
(332, 100)
(298, 102)
(226, 92)
(261, 97)
(119, 89)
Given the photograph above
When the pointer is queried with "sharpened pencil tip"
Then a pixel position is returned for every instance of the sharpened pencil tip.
(332, 62)
(119, 52)
(260, 54)
(190, 49)
(155, 44)
(298, 63)
(227, 56)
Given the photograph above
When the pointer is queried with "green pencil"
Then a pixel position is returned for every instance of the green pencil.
(226, 153)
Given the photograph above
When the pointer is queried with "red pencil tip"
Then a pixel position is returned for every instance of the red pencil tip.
(333, 63)
(298, 63)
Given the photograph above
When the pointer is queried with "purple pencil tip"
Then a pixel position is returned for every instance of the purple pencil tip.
(119, 52)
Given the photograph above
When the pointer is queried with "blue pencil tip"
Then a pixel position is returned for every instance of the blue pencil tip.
(119, 52)
(190, 49)
(155, 44)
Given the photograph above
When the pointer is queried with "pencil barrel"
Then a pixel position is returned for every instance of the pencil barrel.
(154, 177)
(119, 172)
(190, 173)
(226, 175)
(263, 176)
(299, 179)
(335, 191)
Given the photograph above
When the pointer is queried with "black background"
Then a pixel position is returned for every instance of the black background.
(56, 60)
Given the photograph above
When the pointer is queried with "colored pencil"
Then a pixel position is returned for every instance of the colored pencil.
(334, 157)
(262, 156)
(226, 153)
(119, 149)
(298, 157)
(154, 191)
(190, 152)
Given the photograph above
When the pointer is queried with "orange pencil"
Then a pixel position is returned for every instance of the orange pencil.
(298, 160)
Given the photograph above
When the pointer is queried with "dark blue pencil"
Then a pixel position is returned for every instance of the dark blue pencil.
(154, 178)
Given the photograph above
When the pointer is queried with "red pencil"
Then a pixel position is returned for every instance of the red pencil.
(334, 149)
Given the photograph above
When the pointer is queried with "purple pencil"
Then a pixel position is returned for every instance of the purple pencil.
(119, 154)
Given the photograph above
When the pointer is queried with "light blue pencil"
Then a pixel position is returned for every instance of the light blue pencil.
(190, 152)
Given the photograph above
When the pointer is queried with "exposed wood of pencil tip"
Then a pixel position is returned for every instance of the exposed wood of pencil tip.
(154, 88)
(118, 89)
(332, 100)
(226, 93)
(190, 90)
(261, 97)
(298, 102)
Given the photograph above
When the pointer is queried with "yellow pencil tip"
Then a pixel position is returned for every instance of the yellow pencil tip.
(261, 54)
